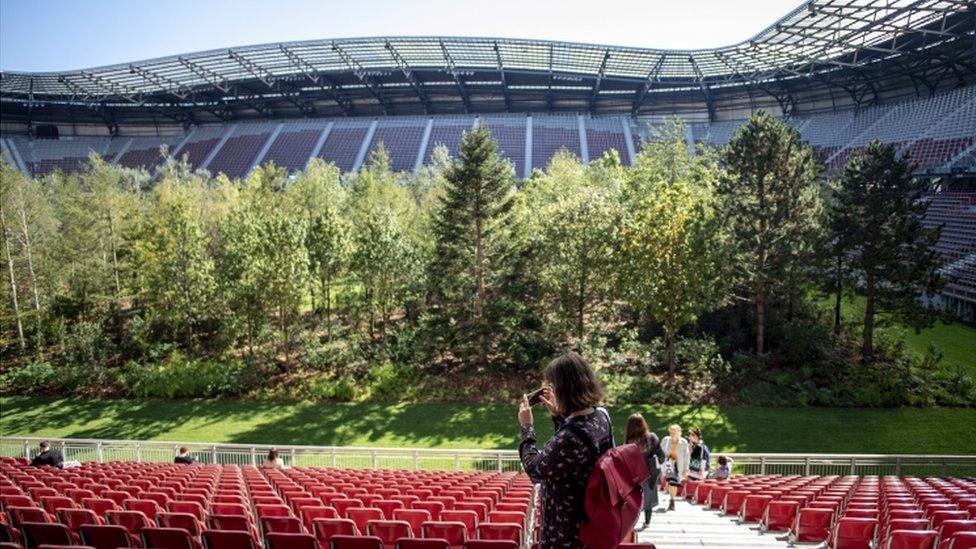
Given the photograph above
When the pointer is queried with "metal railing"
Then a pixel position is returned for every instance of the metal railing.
(470, 460)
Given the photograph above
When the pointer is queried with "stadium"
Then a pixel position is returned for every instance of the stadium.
(89, 289)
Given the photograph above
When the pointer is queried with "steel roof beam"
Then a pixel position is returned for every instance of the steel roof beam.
(453, 71)
(206, 74)
(408, 74)
(317, 78)
(360, 73)
(501, 72)
(162, 81)
(652, 77)
(599, 79)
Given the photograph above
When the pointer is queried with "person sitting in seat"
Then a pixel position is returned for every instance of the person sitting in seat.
(184, 456)
(724, 469)
(273, 461)
(47, 456)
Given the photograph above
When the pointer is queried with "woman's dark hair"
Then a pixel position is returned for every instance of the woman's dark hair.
(696, 432)
(638, 432)
(272, 455)
(574, 383)
(723, 461)
(184, 449)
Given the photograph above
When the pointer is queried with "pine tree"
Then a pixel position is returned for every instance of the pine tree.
(470, 257)
(773, 208)
(878, 214)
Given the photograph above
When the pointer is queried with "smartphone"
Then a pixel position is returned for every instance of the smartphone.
(535, 397)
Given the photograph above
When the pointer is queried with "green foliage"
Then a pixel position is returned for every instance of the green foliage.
(878, 222)
(176, 376)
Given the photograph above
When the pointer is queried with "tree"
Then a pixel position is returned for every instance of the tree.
(878, 214)
(674, 251)
(172, 269)
(772, 205)
(470, 254)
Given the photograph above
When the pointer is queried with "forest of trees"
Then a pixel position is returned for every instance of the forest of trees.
(689, 264)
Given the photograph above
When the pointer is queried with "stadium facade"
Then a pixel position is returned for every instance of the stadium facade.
(843, 72)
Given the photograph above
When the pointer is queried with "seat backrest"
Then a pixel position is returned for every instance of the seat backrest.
(362, 515)
(912, 539)
(491, 544)
(433, 507)
(228, 509)
(356, 542)
(282, 540)
(503, 531)
(185, 521)
(229, 522)
(20, 515)
(389, 530)
(228, 539)
(75, 518)
(283, 525)
(105, 536)
(45, 533)
(950, 527)
(468, 518)
(962, 540)
(167, 538)
(311, 513)
(133, 521)
(455, 533)
(429, 543)
(325, 528)
(147, 507)
(190, 507)
(274, 510)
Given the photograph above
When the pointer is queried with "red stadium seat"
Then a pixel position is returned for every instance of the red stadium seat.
(779, 516)
(362, 515)
(326, 529)
(281, 540)
(962, 540)
(356, 542)
(500, 531)
(229, 539)
(388, 506)
(309, 514)
(455, 533)
(428, 543)
(468, 518)
(282, 525)
(912, 539)
(389, 531)
(99, 505)
(75, 518)
(107, 537)
(186, 521)
(169, 538)
(492, 544)
(45, 533)
(415, 517)
(132, 521)
(754, 507)
(950, 528)
(854, 533)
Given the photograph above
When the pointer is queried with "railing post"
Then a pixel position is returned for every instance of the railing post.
(853, 466)
(333, 457)
(26, 449)
(373, 459)
(62, 445)
(214, 453)
(762, 465)
(806, 466)
(945, 467)
(100, 452)
(254, 456)
(498, 457)
(457, 461)
(898, 466)
(416, 460)
(138, 453)
(293, 463)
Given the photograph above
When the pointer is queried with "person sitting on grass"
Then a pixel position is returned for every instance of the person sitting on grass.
(47, 456)
(184, 456)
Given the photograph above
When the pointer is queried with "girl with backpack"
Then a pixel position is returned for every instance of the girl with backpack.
(640, 434)
(562, 467)
(676, 461)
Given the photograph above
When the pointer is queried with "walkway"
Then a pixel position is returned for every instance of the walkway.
(693, 526)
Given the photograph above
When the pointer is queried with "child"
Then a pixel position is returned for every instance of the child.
(724, 470)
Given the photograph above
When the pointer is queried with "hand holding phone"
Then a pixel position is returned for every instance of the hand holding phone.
(535, 397)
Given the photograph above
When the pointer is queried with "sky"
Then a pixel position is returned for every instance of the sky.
(54, 35)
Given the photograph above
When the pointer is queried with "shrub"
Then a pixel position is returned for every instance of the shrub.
(176, 376)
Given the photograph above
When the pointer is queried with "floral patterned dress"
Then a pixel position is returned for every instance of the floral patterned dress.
(562, 467)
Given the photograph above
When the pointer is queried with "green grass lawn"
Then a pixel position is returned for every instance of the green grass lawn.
(956, 342)
(727, 428)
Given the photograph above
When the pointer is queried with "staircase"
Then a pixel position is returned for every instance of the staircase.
(693, 526)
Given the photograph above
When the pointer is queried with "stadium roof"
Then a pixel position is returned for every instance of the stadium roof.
(855, 48)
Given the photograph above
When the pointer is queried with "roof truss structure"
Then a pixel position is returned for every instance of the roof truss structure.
(841, 48)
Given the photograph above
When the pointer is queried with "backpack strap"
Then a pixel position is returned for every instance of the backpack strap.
(606, 414)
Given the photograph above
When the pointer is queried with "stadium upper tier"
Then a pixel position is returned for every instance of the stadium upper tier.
(938, 133)
(823, 55)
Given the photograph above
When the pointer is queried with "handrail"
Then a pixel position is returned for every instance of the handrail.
(458, 459)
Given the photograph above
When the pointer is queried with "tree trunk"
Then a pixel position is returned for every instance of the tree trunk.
(838, 296)
(670, 335)
(867, 342)
(115, 255)
(479, 256)
(13, 282)
(28, 251)
(327, 299)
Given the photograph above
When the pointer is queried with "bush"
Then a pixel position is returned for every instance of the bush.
(177, 376)
(43, 377)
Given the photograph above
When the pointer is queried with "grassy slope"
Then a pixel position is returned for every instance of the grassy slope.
(727, 428)
(956, 341)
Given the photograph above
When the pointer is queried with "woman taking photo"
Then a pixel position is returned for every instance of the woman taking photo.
(699, 463)
(640, 434)
(562, 467)
(676, 462)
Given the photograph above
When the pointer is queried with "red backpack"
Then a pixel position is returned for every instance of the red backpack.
(614, 498)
